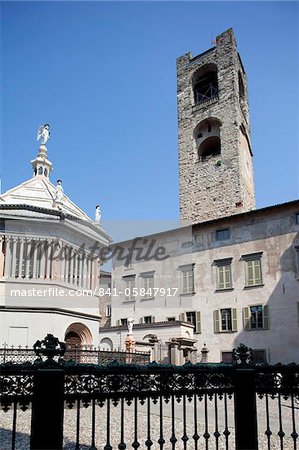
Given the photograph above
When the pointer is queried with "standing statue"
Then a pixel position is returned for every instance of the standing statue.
(59, 191)
(43, 133)
(130, 322)
(98, 214)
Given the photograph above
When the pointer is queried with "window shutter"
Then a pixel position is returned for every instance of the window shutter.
(250, 273)
(141, 320)
(228, 276)
(257, 270)
(183, 317)
(153, 318)
(184, 279)
(221, 277)
(246, 318)
(118, 323)
(190, 281)
(197, 323)
(216, 321)
(266, 317)
(234, 320)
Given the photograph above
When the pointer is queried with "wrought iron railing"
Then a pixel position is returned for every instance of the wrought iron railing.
(87, 355)
(213, 406)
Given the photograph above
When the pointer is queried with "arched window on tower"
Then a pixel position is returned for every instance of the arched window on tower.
(207, 138)
(205, 84)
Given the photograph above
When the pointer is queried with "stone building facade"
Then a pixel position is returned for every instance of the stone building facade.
(235, 279)
(215, 155)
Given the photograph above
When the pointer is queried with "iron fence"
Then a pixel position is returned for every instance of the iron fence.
(202, 406)
(84, 354)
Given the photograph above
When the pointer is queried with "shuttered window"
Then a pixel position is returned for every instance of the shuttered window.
(224, 275)
(147, 319)
(187, 279)
(256, 317)
(253, 269)
(129, 285)
(192, 317)
(148, 285)
(225, 320)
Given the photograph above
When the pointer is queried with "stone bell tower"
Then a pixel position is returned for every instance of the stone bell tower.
(215, 156)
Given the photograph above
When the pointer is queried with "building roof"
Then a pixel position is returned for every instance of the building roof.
(244, 215)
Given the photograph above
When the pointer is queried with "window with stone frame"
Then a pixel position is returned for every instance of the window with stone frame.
(223, 274)
(148, 285)
(192, 317)
(223, 235)
(129, 285)
(253, 269)
(225, 320)
(256, 317)
(147, 319)
(187, 279)
(123, 322)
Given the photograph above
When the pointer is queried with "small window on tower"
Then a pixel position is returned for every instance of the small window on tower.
(241, 86)
(209, 128)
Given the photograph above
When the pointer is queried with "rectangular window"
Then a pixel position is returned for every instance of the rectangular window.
(148, 285)
(192, 317)
(187, 279)
(297, 218)
(225, 320)
(129, 285)
(256, 317)
(223, 235)
(108, 310)
(147, 319)
(223, 275)
(253, 269)
(123, 322)
(173, 319)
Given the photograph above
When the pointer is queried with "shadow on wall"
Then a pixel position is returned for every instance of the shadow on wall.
(272, 327)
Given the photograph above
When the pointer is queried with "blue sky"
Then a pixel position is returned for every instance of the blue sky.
(103, 74)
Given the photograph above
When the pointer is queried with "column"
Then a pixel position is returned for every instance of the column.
(80, 269)
(66, 263)
(75, 268)
(49, 259)
(21, 257)
(87, 273)
(35, 250)
(1, 256)
(62, 262)
(7, 256)
(42, 270)
(28, 257)
(71, 265)
(13, 257)
(84, 261)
